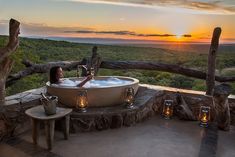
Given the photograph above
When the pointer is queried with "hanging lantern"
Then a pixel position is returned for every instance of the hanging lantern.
(167, 111)
(82, 100)
(204, 116)
(129, 97)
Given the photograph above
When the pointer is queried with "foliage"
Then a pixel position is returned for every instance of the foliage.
(42, 51)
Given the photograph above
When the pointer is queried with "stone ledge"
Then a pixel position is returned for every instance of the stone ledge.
(17, 104)
(34, 94)
(30, 96)
(184, 91)
(117, 116)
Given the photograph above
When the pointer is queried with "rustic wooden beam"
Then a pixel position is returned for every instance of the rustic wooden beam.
(40, 68)
(210, 78)
(5, 66)
(5, 62)
(72, 65)
(161, 67)
(14, 31)
(95, 60)
(6, 126)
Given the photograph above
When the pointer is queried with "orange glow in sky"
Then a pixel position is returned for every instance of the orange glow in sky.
(180, 21)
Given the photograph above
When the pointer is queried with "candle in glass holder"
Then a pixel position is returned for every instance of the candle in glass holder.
(82, 100)
(129, 97)
(204, 116)
(167, 111)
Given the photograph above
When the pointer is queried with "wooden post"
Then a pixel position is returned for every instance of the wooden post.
(5, 62)
(210, 79)
(50, 130)
(94, 61)
(66, 126)
(35, 124)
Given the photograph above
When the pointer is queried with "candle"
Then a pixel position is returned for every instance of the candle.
(129, 97)
(82, 100)
(204, 116)
(167, 111)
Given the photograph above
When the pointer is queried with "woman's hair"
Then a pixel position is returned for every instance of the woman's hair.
(53, 73)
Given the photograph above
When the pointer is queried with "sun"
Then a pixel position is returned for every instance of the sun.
(178, 36)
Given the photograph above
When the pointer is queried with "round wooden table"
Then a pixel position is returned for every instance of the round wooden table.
(37, 114)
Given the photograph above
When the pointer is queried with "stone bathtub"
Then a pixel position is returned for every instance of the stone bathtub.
(102, 91)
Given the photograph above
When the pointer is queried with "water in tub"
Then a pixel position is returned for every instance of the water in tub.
(112, 81)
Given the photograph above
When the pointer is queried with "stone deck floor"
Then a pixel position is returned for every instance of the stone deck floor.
(154, 137)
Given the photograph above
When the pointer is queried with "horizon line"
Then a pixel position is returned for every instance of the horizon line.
(141, 41)
(136, 40)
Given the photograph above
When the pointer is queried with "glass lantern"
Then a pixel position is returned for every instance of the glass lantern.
(129, 97)
(167, 111)
(82, 101)
(204, 116)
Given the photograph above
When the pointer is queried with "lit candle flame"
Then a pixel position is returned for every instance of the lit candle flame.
(130, 98)
(204, 118)
(167, 111)
(82, 102)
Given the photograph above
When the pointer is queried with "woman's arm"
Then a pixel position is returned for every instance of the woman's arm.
(84, 81)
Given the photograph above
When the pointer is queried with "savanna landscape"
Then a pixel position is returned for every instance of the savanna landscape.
(191, 56)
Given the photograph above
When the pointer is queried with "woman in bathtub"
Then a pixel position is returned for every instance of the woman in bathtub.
(56, 77)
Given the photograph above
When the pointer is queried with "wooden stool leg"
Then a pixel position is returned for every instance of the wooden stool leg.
(66, 127)
(35, 130)
(49, 128)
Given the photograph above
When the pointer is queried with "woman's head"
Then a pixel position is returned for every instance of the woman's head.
(55, 74)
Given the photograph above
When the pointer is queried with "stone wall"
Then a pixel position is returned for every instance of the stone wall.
(15, 121)
(148, 102)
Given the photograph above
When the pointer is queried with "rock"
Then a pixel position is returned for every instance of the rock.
(117, 121)
(129, 119)
(102, 123)
(81, 125)
(222, 89)
(220, 97)
(183, 110)
(3, 129)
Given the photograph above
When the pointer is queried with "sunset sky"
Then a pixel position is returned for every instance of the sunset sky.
(160, 20)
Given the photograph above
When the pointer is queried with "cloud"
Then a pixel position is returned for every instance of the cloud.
(130, 33)
(206, 6)
(31, 29)
(187, 35)
(43, 29)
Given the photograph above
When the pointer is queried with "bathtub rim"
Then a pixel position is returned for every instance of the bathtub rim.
(133, 81)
